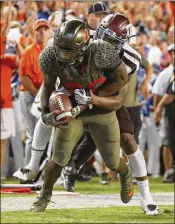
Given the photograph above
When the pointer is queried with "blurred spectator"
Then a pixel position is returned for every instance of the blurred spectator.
(154, 53)
(43, 11)
(80, 9)
(31, 77)
(165, 58)
(70, 14)
(149, 135)
(159, 89)
(96, 13)
(56, 19)
(8, 64)
(170, 35)
(168, 100)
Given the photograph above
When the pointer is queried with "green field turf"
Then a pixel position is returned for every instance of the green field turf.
(129, 214)
(92, 215)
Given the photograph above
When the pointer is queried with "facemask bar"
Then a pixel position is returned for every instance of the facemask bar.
(70, 56)
(107, 34)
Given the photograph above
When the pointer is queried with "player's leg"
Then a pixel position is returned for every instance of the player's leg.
(65, 140)
(106, 134)
(84, 151)
(136, 159)
(81, 154)
(41, 137)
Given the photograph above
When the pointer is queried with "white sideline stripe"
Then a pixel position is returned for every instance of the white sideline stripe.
(69, 114)
(82, 201)
(19, 185)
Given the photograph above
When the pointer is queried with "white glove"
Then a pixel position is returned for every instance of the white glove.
(82, 96)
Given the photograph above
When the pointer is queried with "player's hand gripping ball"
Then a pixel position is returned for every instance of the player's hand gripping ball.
(61, 103)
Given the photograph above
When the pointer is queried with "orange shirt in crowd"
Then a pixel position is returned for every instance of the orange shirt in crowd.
(8, 64)
(21, 15)
(3, 44)
(172, 5)
(29, 65)
(26, 41)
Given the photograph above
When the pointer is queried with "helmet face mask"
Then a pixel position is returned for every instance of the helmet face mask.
(110, 37)
(70, 56)
(115, 29)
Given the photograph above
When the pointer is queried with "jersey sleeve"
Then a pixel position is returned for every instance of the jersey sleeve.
(48, 62)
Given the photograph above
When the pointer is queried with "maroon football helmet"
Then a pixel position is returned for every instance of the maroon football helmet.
(115, 29)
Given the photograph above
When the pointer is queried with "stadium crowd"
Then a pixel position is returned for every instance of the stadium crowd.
(21, 78)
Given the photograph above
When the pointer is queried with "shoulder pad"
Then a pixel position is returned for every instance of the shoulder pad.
(47, 61)
(104, 54)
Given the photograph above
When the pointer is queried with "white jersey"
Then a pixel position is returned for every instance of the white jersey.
(161, 84)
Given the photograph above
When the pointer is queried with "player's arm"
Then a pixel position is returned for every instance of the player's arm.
(117, 78)
(110, 103)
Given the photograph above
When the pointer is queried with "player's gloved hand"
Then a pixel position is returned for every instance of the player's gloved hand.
(82, 96)
(50, 119)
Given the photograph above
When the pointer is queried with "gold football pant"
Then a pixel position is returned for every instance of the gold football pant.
(104, 130)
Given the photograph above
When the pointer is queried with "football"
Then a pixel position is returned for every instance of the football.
(60, 102)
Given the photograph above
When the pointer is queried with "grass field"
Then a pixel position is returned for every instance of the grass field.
(117, 214)
(93, 215)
